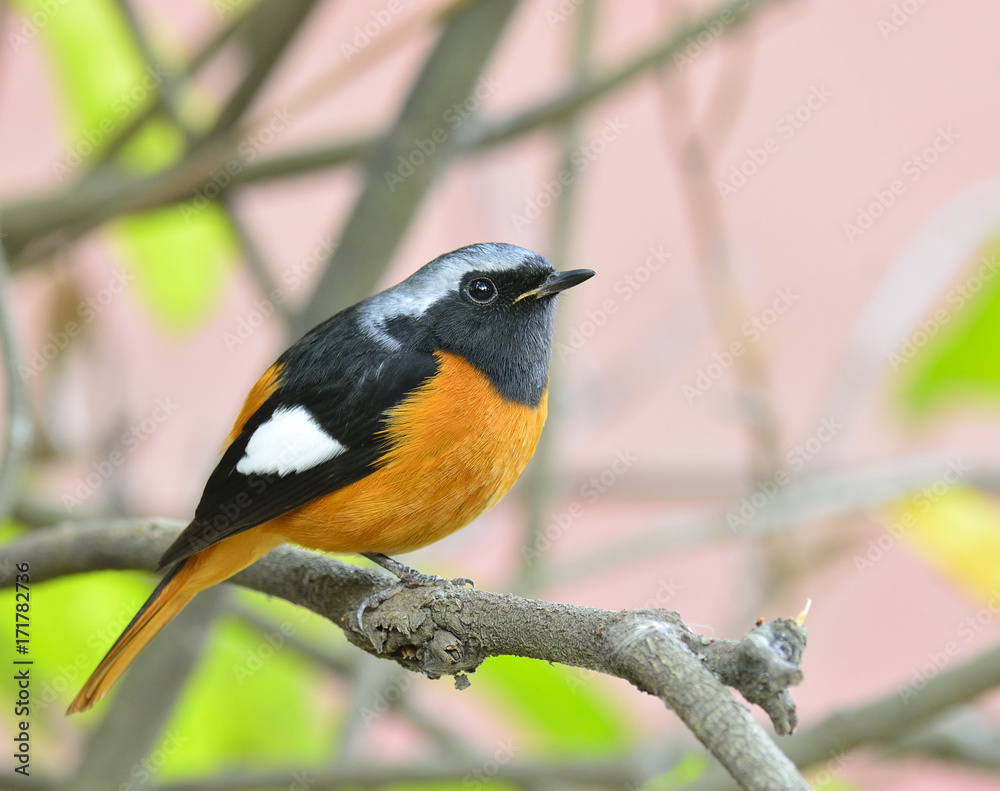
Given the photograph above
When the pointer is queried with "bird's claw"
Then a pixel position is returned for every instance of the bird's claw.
(414, 579)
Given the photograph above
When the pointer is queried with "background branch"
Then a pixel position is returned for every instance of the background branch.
(452, 630)
(18, 420)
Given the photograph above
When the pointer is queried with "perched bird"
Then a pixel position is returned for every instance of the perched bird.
(387, 427)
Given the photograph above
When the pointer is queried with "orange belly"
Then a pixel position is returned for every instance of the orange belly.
(457, 448)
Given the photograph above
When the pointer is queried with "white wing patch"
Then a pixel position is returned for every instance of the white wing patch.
(290, 441)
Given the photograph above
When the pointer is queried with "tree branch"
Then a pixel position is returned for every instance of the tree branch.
(885, 720)
(268, 30)
(39, 226)
(451, 630)
(19, 421)
(403, 165)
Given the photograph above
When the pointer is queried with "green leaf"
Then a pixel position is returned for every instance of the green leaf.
(73, 622)
(180, 261)
(961, 361)
(252, 702)
(688, 769)
(558, 708)
(96, 64)
(180, 255)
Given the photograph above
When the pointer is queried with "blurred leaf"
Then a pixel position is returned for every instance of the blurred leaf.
(73, 622)
(561, 709)
(9, 530)
(249, 678)
(958, 533)
(180, 254)
(96, 64)
(157, 146)
(246, 678)
(180, 260)
(685, 771)
(961, 358)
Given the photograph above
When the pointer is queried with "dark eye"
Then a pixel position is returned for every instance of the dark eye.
(481, 290)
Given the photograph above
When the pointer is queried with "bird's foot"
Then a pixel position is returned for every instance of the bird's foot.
(408, 578)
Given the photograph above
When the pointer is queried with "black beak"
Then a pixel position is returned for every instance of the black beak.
(557, 282)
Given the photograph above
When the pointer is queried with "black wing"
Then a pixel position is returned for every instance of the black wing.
(347, 395)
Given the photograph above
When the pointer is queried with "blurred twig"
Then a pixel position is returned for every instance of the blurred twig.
(167, 86)
(41, 225)
(835, 493)
(735, 12)
(883, 720)
(257, 265)
(268, 30)
(138, 119)
(392, 194)
(539, 478)
(610, 773)
(145, 699)
(18, 419)
(724, 300)
(964, 734)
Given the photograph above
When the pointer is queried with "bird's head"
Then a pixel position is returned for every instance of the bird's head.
(491, 304)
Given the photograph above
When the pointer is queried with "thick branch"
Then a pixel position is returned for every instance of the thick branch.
(452, 630)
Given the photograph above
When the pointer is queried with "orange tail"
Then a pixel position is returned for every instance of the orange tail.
(198, 572)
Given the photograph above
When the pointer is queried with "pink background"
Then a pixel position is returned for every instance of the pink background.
(622, 390)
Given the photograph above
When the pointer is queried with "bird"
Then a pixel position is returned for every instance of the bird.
(385, 428)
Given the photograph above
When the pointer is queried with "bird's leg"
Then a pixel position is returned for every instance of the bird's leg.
(411, 578)
(408, 578)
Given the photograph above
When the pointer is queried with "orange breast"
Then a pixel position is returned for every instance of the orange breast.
(457, 448)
